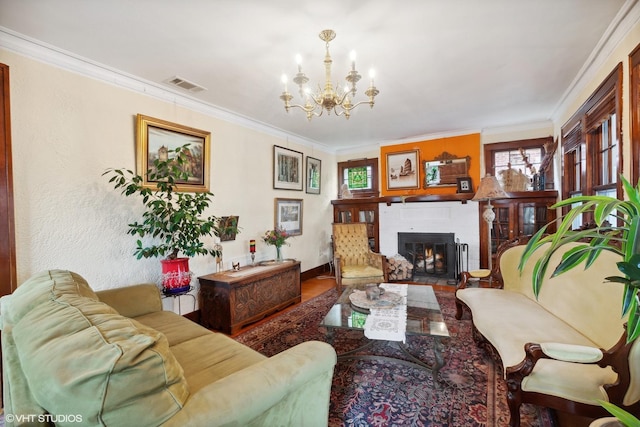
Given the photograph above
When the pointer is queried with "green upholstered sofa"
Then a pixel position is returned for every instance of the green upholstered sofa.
(565, 349)
(71, 356)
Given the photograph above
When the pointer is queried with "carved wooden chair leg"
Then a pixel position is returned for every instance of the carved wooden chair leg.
(514, 400)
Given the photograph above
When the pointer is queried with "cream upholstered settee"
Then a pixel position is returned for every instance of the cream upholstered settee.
(74, 357)
(567, 348)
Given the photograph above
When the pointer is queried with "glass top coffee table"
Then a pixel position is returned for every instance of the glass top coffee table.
(424, 318)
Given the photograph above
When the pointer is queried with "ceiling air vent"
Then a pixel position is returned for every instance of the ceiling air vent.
(185, 84)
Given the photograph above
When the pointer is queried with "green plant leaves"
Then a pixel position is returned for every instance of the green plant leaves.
(622, 238)
(173, 220)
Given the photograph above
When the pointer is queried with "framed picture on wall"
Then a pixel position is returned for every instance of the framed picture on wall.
(156, 137)
(403, 170)
(288, 216)
(314, 169)
(287, 169)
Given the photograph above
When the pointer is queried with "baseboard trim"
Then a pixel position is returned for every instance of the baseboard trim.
(315, 272)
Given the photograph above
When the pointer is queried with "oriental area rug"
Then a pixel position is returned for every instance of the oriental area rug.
(470, 391)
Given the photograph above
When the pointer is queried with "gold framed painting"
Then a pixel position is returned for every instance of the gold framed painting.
(156, 137)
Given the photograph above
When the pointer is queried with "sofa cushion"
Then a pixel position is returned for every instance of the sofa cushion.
(209, 358)
(126, 367)
(509, 320)
(174, 327)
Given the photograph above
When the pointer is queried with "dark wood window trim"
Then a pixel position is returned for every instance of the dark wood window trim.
(490, 149)
(579, 139)
(8, 279)
(634, 91)
(374, 191)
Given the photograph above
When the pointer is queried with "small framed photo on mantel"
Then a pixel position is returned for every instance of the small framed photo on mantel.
(464, 185)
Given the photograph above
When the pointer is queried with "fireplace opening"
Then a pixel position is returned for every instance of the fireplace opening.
(432, 254)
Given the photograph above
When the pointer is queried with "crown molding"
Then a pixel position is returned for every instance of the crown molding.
(60, 58)
(627, 17)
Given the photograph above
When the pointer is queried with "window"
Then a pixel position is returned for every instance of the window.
(591, 144)
(523, 156)
(360, 175)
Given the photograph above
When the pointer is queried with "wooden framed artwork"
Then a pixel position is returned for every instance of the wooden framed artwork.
(314, 169)
(287, 169)
(227, 227)
(464, 185)
(445, 170)
(402, 170)
(288, 216)
(155, 137)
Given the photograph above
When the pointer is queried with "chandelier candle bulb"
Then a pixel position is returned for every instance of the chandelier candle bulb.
(328, 99)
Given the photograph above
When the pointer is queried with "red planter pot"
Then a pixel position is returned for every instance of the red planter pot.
(176, 276)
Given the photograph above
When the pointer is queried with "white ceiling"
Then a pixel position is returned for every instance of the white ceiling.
(442, 66)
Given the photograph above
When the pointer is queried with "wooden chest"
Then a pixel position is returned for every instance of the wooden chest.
(230, 300)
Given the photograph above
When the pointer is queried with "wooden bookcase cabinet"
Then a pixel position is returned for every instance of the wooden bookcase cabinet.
(355, 210)
(523, 213)
(229, 302)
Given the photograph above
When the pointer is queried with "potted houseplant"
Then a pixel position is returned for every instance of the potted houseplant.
(623, 239)
(174, 221)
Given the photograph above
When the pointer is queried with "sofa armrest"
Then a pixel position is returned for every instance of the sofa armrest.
(487, 278)
(133, 301)
(290, 388)
(571, 353)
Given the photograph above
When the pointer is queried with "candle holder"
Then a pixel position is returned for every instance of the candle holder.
(252, 249)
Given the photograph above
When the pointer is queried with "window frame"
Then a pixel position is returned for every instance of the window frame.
(579, 131)
(373, 163)
(491, 149)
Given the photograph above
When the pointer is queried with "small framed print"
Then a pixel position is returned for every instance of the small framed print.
(287, 169)
(288, 216)
(314, 168)
(464, 185)
(402, 170)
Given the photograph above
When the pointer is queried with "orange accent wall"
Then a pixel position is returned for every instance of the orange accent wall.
(460, 146)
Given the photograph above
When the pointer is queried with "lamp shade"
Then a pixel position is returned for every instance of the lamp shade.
(489, 189)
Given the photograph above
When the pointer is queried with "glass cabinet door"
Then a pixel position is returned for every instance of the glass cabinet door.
(500, 229)
(345, 216)
(367, 216)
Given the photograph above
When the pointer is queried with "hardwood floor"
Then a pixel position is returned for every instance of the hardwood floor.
(311, 288)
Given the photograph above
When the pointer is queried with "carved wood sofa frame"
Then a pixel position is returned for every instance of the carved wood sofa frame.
(616, 357)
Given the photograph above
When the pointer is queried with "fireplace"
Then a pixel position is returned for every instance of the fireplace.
(432, 254)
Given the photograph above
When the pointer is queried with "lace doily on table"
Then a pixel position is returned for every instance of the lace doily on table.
(388, 323)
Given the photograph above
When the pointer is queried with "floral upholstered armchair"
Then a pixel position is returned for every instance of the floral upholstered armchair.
(355, 263)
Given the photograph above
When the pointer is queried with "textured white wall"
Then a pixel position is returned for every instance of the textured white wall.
(68, 129)
(431, 217)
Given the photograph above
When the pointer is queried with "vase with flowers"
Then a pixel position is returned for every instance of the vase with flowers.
(276, 237)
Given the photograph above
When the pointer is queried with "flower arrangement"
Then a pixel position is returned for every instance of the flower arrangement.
(276, 237)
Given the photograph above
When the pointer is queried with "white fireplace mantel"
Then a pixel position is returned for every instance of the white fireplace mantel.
(462, 219)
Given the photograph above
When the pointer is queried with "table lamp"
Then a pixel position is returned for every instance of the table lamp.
(489, 189)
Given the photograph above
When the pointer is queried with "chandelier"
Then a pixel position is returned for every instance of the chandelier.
(339, 100)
